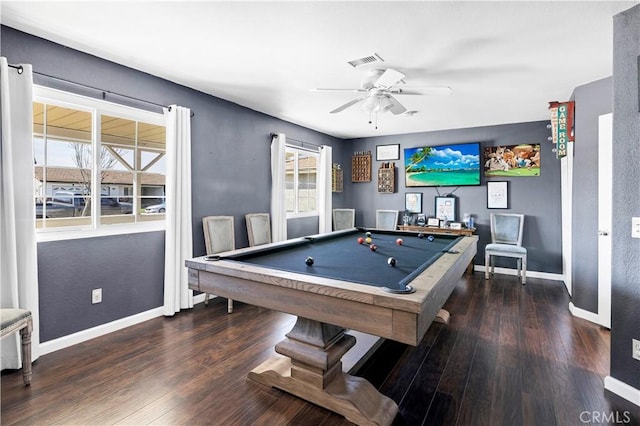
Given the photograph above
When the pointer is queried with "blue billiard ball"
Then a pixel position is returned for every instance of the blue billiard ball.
(430, 238)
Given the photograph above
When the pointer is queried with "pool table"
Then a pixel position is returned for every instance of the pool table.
(348, 286)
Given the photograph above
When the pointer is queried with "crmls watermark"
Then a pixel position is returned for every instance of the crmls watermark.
(599, 417)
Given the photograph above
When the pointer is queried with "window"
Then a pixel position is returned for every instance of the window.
(96, 164)
(301, 182)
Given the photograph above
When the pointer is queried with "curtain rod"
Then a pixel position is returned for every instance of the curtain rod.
(104, 92)
(303, 143)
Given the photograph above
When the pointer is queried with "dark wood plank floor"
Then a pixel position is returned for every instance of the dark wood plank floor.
(511, 355)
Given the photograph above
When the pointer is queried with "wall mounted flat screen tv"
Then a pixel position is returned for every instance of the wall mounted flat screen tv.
(442, 165)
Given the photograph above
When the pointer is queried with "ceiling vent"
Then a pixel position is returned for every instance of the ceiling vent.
(367, 60)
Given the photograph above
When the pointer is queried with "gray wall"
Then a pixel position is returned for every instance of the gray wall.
(230, 176)
(124, 267)
(625, 309)
(592, 100)
(537, 197)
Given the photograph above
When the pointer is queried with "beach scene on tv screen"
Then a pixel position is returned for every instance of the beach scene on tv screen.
(443, 165)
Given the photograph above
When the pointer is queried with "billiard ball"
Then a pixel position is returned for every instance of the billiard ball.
(399, 241)
(373, 247)
(360, 240)
(368, 234)
(309, 261)
(367, 240)
(421, 235)
(392, 261)
(430, 238)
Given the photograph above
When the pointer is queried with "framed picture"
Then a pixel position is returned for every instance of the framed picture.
(387, 152)
(512, 160)
(455, 225)
(433, 222)
(446, 208)
(413, 202)
(497, 195)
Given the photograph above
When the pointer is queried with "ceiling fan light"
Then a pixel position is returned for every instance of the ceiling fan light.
(385, 103)
(371, 104)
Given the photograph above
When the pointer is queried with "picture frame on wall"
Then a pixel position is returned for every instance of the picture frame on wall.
(387, 152)
(413, 202)
(497, 195)
(522, 160)
(446, 208)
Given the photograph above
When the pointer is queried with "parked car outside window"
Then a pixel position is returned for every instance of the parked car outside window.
(156, 208)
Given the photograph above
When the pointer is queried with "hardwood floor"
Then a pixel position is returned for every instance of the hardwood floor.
(510, 355)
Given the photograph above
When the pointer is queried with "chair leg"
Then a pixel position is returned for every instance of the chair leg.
(25, 337)
(487, 261)
(524, 270)
(206, 299)
(518, 266)
(229, 306)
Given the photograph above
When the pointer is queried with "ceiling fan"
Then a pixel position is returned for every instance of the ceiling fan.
(379, 89)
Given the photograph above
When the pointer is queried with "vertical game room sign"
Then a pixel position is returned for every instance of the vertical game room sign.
(561, 124)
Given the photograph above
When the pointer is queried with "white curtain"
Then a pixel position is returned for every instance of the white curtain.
(178, 238)
(324, 190)
(18, 250)
(278, 210)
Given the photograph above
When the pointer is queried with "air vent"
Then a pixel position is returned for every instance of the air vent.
(372, 59)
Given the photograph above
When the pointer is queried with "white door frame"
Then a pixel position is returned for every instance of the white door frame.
(605, 204)
(566, 195)
(605, 186)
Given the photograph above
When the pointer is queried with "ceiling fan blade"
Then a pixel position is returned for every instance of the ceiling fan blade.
(396, 107)
(324, 89)
(424, 90)
(347, 105)
(389, 78)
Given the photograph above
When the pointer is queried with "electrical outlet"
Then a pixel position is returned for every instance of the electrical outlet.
(635, 227)
(636, 349)
(96, 296)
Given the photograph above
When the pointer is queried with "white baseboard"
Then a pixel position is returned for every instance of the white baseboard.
(622, 389)
(530, 274)
(587, 315)
(101, 330)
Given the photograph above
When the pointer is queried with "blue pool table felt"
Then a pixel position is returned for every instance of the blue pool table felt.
(343, 258)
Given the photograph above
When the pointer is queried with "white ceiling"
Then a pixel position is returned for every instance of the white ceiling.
(503, 60)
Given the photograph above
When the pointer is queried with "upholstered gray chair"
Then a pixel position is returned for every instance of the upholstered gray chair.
(258, 228)
(387, 219)
(506, 241)
(218, 237)
(344, 219)
(19, 320)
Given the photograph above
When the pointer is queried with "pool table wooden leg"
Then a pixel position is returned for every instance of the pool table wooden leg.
(442, 316)
(311, 369)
